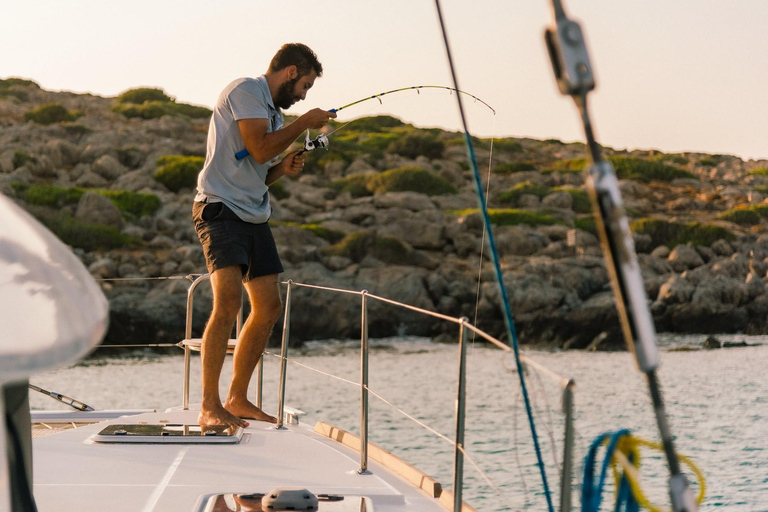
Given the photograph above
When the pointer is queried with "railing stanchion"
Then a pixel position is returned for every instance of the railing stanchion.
(364, 385)
(565, 484)
(284, 356)
(188, 336)
(458, 461)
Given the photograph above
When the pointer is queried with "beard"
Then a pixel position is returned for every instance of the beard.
(285, 96)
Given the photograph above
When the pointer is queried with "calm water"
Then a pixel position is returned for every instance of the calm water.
(717, 402)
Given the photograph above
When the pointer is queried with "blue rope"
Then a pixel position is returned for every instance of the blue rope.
(497, 267)
(591, 494)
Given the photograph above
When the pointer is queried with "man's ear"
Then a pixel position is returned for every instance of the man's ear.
(293, 71)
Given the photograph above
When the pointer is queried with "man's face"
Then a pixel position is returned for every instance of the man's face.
(295, 89)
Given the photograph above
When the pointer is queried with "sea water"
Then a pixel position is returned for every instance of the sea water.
(717, 402)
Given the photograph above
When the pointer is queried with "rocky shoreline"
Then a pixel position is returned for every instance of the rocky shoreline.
(404, 242)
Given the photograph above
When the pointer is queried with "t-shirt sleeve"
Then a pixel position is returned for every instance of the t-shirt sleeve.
(248, 103)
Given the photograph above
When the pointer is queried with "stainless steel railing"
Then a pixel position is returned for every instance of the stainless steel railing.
(567, 385)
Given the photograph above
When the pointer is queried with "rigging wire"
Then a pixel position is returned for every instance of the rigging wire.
(497, 266)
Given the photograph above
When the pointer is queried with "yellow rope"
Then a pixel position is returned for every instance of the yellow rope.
(629, 445)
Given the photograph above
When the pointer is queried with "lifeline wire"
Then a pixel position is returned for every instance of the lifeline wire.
(497, 265)
(413, 419)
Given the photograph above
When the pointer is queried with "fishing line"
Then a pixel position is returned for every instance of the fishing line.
(497, 265)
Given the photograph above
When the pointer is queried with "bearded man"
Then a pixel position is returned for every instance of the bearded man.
(231, 214)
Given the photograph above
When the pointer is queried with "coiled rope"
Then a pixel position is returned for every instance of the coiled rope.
(622, 455)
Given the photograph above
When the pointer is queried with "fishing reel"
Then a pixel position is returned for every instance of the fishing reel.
(321, 141)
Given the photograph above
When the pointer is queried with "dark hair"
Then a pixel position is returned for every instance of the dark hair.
(296, 54)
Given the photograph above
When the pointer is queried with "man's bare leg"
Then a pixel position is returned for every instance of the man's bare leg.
(227, 292)
(266, 306)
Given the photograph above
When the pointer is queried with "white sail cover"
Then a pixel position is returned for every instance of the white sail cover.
(51, 310)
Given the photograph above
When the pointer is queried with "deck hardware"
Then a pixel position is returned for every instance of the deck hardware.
(289, 499)
(330, 497)
(121, 432)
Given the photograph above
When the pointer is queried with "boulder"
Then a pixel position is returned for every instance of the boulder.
(559, 199)
(108, 167)
(684, 257)
(94, 208)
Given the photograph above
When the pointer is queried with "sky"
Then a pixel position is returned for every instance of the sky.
(682, 75)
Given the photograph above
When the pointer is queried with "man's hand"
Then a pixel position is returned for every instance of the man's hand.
(292, 164)
(316, 118)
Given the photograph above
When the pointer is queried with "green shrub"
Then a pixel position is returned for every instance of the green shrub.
(581, 201)
(355, 184)
(14, 93)
(328, 234)
(570, 165)
(188, 110)
(277, 189)
(149, 110)
(50, 113)
(375, 123)
(51, 196)
(20, 158)
(586, 223)
(512, 196)
(410, 178)
(177, 171)
(671, 158)
(630, 168)
(746, 216)
(417, 143)
(513, 167)
(508, 144)
(90, 237)
(357, 246)
(513, 217)
(22, 82)
(143, 95)
(130, 203)
(673, 233)
(762, 171)
(741, 216)
(378, 142)
(709, 161)
(557, 142)
(133, 203)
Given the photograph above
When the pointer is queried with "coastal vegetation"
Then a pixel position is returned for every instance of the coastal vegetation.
(391, 208)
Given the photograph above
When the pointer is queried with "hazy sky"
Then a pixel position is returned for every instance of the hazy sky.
(674, 75)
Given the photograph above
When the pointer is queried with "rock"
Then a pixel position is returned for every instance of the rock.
(661, 251)
(104, 268)
(94, 208)
(558, 199)
(755, 286)
(108, 167)
(529, 201)
(412, 201)
(684, 257)
(676, 291)
(722, 248)
(712, 342)
(90, 179)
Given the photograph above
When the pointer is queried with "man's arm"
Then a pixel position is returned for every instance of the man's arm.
(264, 145)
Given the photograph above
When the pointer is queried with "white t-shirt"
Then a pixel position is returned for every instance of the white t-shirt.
(238, 183)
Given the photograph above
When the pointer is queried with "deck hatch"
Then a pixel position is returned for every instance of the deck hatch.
(168, 433)
(252, 503)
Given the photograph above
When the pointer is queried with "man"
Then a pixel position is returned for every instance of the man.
(231, 211)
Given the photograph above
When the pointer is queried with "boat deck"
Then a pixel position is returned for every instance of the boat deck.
(74, 473)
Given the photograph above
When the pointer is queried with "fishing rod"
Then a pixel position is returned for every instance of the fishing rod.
(505, 303)
(321, 141)
(574, 76)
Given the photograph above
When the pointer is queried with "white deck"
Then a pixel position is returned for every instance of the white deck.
(73, 473)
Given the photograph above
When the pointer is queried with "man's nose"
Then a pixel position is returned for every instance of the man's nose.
(304, 95)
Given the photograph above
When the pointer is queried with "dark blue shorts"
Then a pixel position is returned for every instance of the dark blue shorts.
(228, 241)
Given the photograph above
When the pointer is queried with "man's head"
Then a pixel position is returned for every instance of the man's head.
(298, 66)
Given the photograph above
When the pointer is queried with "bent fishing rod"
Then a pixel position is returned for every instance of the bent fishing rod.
(321, 141)
(574, 76)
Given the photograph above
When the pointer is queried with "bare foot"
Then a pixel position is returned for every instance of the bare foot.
(245, 409)
(213, 416)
